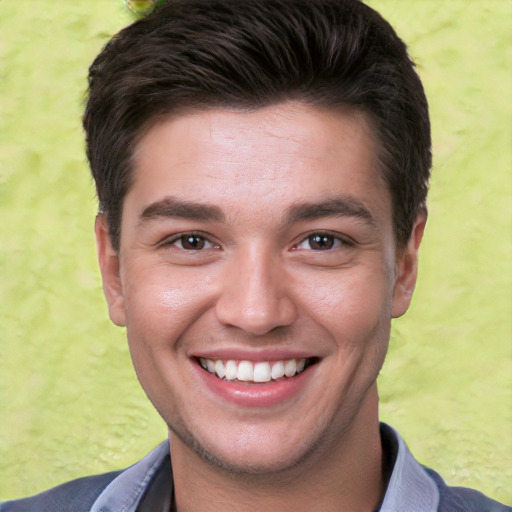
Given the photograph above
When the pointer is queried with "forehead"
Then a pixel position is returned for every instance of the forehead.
(247, 161)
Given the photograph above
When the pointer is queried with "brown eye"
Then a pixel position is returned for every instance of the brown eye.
(192, 242)
(321, 242)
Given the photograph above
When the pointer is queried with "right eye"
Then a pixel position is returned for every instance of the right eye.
(191, 242)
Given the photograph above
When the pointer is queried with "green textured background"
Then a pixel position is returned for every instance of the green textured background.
(69, 402)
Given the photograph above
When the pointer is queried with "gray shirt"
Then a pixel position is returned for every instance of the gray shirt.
(147, 486)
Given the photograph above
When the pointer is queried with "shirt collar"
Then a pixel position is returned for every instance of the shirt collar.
(124, 493)
(410, 487)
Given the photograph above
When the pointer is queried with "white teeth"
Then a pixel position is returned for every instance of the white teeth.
(210, 365)
(261, 372)
(219, 369)
(247, 371)
(290, 368)
(231, 370)
(278, 370)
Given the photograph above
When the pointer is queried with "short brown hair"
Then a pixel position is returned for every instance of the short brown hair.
(200, 54)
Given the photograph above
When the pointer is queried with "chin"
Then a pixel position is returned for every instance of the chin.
(247, 452)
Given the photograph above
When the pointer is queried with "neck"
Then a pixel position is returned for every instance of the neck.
(345, 474)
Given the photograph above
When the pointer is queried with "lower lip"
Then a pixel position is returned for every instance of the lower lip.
(256, 395)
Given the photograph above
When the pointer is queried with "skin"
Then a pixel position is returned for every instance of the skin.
(256, 283)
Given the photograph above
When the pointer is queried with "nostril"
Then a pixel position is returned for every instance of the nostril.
(252, 296)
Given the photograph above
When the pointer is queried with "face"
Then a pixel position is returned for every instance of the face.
(257, 277)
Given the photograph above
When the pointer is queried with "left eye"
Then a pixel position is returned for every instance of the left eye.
(320, 242)
(192, 242)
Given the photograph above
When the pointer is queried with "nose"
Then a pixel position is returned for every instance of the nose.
(254, 294)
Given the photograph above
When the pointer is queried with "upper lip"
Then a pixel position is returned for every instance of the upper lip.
(243, 354)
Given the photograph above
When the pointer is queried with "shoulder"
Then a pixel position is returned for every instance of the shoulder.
(462, 499)
(118, 490)
(413, 487)
(77, 495)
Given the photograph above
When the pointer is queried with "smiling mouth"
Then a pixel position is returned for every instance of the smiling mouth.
(255, 372)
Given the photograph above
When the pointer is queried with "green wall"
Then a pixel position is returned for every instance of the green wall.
(69, 402)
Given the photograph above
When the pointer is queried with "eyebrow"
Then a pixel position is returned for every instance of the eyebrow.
(178, 208)
(333, 207)
(343, 206)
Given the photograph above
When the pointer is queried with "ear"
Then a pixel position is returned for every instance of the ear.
(108, 259)
(407, 269)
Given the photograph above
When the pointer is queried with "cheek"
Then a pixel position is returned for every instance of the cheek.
(161, 303)
(160, 307)
(351, 305)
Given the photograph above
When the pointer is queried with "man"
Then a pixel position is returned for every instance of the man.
(262, 171)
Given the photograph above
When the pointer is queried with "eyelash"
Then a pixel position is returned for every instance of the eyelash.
(168, 242)
(337, 241)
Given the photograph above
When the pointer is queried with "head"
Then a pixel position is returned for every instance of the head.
(194, 55)
(262, 170)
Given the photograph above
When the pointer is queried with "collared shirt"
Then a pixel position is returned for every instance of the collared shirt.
(410, 487)
(147, 486)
